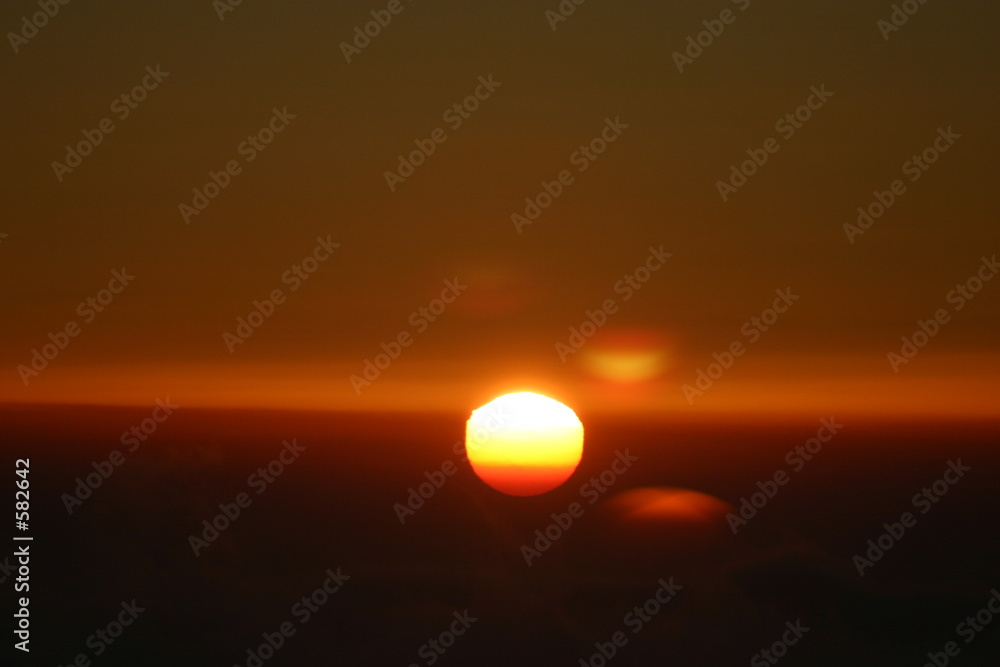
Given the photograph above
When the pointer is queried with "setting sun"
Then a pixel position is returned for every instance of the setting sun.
(524, 444)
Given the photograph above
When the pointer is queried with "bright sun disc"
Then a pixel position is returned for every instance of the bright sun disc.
(524, 444)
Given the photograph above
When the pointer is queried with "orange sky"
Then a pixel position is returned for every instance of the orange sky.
(344, 124)
(945, 386)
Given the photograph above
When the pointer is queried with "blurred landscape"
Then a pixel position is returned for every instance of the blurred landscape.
(333, 508)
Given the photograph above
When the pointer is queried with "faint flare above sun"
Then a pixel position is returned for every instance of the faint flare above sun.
(524, 444)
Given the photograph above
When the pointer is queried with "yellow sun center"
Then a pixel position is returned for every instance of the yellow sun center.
(524, 444)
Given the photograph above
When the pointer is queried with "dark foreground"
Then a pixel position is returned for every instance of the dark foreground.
(455, 571)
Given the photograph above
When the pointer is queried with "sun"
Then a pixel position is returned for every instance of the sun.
(524, 444)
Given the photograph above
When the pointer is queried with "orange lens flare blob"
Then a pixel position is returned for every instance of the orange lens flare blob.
(524, 444)
(661, 506)
(628, 356)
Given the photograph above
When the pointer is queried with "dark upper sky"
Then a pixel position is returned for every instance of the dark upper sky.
(324, 175)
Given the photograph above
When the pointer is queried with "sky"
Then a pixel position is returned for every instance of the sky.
(336, 119)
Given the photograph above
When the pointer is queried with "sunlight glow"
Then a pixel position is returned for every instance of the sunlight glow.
(524, 444)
